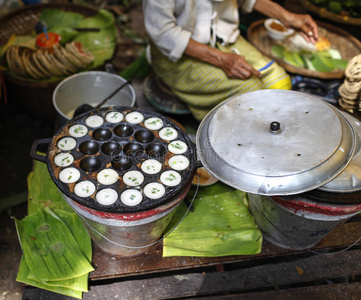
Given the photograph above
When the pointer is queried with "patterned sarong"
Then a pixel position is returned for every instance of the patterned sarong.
(202, 86)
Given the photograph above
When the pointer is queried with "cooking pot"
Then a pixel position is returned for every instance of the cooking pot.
(113, 150)
(91, 88)
(297, 156)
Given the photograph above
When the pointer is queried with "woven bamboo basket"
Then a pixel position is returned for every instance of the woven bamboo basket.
(34, 97)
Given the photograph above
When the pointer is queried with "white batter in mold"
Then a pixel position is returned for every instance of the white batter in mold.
(84, 189)
(134, 117)
(153, 123)
(131, 197)
(151, 166)
(154, 190)
(171, 178)
(133, 178)
(78, 130)
(69, 175)
(114, 117)
(67, 143)
(177, 147)
(107, 176)
(168, 133)
(178, 162)
(107, 196)
(63, 159)
(94, 121)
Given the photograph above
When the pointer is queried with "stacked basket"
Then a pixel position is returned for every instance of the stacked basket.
(350, 89)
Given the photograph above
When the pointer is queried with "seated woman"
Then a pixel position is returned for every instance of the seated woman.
(197, 49)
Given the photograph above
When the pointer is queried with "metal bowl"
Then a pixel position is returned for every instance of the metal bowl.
(89, 88)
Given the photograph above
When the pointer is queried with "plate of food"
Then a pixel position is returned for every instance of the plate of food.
(327, 59)
(347, 12)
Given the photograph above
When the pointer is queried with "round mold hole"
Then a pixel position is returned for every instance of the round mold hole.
(155, 150)
(111, 148)
(144, 136)
(90, 164)
(121, 163)
(123, 130)
(102, 134)
(89, 147)
(133, 149)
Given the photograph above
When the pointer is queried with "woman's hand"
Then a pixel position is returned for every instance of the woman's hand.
(301, 22)
(306, 26)
(236, 67)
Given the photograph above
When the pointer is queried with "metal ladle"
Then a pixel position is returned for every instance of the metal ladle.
(87, 107)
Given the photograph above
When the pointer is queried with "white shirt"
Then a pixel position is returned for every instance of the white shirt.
(171, 23)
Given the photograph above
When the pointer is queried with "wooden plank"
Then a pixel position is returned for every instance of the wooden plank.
(151, 262)
(298, 270)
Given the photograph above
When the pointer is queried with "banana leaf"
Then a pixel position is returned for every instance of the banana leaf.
(49, 247)
(103, 43)
(43, 191)
(140, 68)
(82, 238)
(220, 225)
(102, 19)
(56, 17)
(73, 287)
(66, 34)
(23, 277)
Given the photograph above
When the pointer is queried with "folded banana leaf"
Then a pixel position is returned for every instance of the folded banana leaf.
(220, 225)
(49, 247)
(73, 287)
(23, 277)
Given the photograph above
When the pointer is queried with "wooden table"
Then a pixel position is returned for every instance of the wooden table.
(327, 271)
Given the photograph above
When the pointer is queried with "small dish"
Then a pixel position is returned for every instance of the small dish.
(204, 178)
(276, 30)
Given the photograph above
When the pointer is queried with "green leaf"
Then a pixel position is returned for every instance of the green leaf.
(293, 58)
(102, 19)
(43, 191)
(102, 44)
(23, 277)
(220, 225)
(322, 62)
(66, 34)
(278, 50)
(49, 247)
(58, 17)
(140, 68)
(340, 63)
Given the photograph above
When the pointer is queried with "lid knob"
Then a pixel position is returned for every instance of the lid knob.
(275, 127)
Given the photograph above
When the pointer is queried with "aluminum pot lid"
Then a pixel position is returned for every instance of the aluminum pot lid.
(275, 142)
(349, 180)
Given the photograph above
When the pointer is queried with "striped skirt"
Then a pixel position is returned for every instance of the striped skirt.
(202, 86)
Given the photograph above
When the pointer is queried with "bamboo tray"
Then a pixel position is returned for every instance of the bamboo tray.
(344, 42)
(324, 13)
